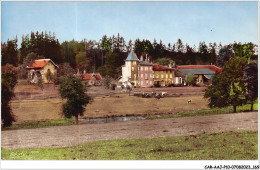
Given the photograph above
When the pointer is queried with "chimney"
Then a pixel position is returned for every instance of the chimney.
(78, 71)
(84, 72)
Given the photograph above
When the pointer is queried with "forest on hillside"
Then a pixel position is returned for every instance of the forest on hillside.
(107, 55)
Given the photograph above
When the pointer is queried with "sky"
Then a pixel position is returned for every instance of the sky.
(191, 21)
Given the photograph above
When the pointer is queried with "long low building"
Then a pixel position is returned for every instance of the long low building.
(202, 73)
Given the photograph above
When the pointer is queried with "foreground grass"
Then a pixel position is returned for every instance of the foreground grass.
(40, 124)
(236, 145)
(204, 112)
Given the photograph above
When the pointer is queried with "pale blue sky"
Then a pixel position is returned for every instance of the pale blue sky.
(166, 21)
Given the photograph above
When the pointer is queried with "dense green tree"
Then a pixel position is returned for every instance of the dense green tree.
(81, 61)
(212, 53)
(72, 89)
(251, 79)
(225, 54)
(9, 52)
(67, 51)
(8, 83)
(164, 61)
(228, 87)
(44, 44)
(114, 60)
(244, 50)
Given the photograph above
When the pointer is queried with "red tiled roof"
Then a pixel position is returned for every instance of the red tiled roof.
(98, 76)
(40, 63)
(88, 76)
(157, 67)
(211, 67)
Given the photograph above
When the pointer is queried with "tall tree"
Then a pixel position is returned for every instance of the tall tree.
(68, 53)
(8, 83)
(179, 46)
(251, 79)
(9, 52)
(44, 44)
(228, 87)
(244, 50)
(72, 89)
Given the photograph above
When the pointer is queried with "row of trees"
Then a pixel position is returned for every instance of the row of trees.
(236, 85)
(108, 54)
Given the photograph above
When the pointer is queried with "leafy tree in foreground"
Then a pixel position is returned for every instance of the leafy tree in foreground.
(72, 89)
(228, 87)
(9, 80)
(251, 78)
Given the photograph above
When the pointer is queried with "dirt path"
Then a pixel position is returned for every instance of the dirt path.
(72, 135)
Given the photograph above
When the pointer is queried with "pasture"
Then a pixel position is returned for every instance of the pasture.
(103, 106)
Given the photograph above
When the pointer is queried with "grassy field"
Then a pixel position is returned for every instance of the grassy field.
(116, 105)
(65, 122)
(37, 110)
(213, 111)
(236, 145)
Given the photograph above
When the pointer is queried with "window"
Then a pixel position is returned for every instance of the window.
(151, 75)
(135, 76)
(133, 69)
(146, 76)
(151, 68)
(141, 82)
(147, 82)
(151, 82)
(170, 75)
(141, 68)
(141, 75)
(134, 63)
(162, 76)
(166, 75)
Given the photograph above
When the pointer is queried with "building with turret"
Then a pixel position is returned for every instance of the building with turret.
(130, 69)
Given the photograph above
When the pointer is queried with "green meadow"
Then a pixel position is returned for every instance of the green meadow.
(233, 145)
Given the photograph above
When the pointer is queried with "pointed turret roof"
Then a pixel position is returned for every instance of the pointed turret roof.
(132, 56)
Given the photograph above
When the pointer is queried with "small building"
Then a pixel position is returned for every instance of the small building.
(90, 79)
(162, 75)
(202, 73)
(40, 68)
(180, 78)
(145, 73)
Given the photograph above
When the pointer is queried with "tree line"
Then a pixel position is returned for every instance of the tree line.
(108, 54)
(236, 85)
